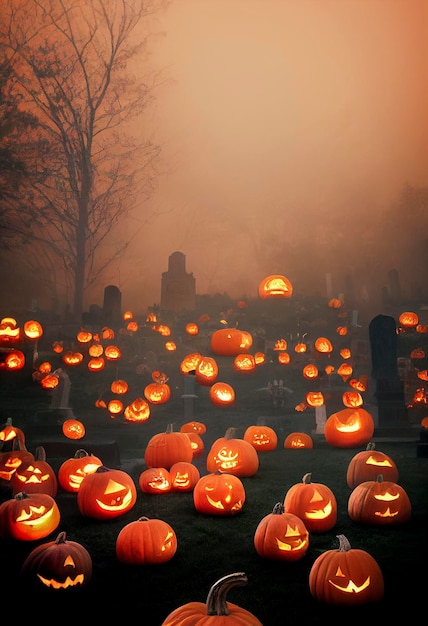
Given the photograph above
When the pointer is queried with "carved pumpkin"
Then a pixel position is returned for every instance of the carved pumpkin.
(334, 303)
(158, 391)
(138, 411)
(33, 329)
(275, 286)
(192, 328)
(222, 394)
(73, 429)
(263, 438)
(219, 494)
(106, 494)
(10, 432)
(379, 502)
(112, 353)
(349, 428)
(352, 399)
(49, 381)
(206, 371)
(359, 384)
(115, 407)
(314, 503)
(184, 476)
(155, 480)
(59, 564)
(146, 542)
(165, 449)
(14, 360)
(96, 364)
(344, 371)
(119, 386)
(72, 358)
(96, 350)
(190, 362)
(233, 456)
(310, 371)
(281, 536)
(368, 464)
(194, 427)
(346, 576)
(283, 358)
(298, 440)
(230, 342)
(198, 446)
(323, 345)
(12, 459)
(72, 471)
(314, 398)
(216, 610)
(84, 336)
(28, 517)
(244, 363)
(36, 476)
(409, 319)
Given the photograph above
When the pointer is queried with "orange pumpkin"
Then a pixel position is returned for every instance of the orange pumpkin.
(233, 456)
(349, 428)
(206, 371)
(12, 459)
(219, 494)
(379, 502)
(9, 432)
(298, 440)
(73, 429)
(155, 480)
(275, 286)
(184, 476)
(106, 494)
(72, 471)
(263, 438)
(36, 476)
(193, 427)
(230, 342)
(165, 449)
(28, 517)
(146, 542)
(222, 394)
(368, 464)
(281, 536)
(314, 503)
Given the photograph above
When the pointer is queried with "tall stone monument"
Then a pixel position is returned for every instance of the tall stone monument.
(178, 287)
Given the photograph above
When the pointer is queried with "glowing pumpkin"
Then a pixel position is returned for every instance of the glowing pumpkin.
(368, 464)
(233, 456)
(106, 494)
(206, 371)
(193, 427)
(298, 440)
(222, 394)
(190, 362)
(33, 329)
(346, 576)
(73, 429)
(281, 536)
(184, 476)
(379, 502)
(244, 363)
(12, 459)
(263, 438)
(165, 449)
(352, 399)
(36, 476)
(72, 471)
(409, 319)
(155, 480)
(146, 542)
(138, 411)
(275, 286)
(314, 503)
(28, 517)
(230, 342)
(10, 432)
(219, 494)
(323, 345)
(349, 428)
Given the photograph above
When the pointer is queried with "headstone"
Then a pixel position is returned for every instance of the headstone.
(391, 404)
(320, 419)
(189, 397)
(112, 305)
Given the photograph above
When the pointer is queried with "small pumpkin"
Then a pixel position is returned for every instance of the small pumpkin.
(59, 564)
(368, 464)
(184, 476)
(233, 456)
(379, 502)
(219, 494)
(216, 609)
(263, 438)
(281, 536)
(28, 517)
(106, 494)
(222, 394)
(73, 429)
(146, 542)
(36, 476)
(72, 471)
(10, 432)
(314, 503)
(155, 480)
(298, 440)
(346, 576)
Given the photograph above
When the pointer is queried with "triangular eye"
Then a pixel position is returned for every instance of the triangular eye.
(69, 561)
(316, 496)
(339, 572)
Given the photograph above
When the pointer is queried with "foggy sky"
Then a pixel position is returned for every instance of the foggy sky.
(269, 109)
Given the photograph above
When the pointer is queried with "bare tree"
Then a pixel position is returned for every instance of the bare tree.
(68, 63)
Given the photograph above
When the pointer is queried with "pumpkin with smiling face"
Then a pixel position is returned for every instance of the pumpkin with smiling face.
(263, 438)
(349, 428)
(379, 502)
(281, 536)
(73, 470)
(368, 464)
(314, 503)
(346, 576)
(106, 494)
(233, 456)
(219, 494)
(36, 476)
(28, 517)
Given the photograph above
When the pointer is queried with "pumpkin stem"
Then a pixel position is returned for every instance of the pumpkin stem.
(21, 496)
(230, 432)
(40, 453)
(278, 509)
(379, 478)
(344, 544)
(170, 428)
(216, 599)
(80, 453)
(371, 446)
(61, 537)
(307, 478)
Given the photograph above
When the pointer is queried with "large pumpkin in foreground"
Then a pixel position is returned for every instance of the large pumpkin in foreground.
(346, 576)
(29, 517)
(217, 610)
(349, 428)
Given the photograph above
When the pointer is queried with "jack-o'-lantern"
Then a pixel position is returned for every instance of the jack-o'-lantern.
(165, 449)
(184, 476)
(11, 459)
(222, 394)
(59, 564)
(281, 536)
(300, 347)
(352, 399)
(233, 456)
(329, 369)
(33, 329)
(314, 398)
(72, 358)
(84, 336)
(96, 364)
(96, 350)
(146, 542)
(368, 464)
(10, 432)
(198, 446)
(345, 353)
(344, 371)
(170, 346)
(107, 333)
(244, 363)
(49, 381)
(132, 326)
(298, 440)
(263, 438)
(314, 503)
(379, 502)
(275, 286)
(158, 391)
(119, 386)
(423, 375)
(421, 328)
(219, 494)
(323, 345)
(58, 347)
(73, 429)
(194, 427)
(36, 476)
(310, 371)
(137, 411)
(302, 406)
(192, 329)
(190, 362)
(128, 315)
(72, 471)
(349, 428)
(162, 329)
(10, 333)
(408, 319)
(346, 576)
(259, 358)
(342, 330)
(280, 345)
(206, 371)
(417, 353)
(230, 341)
(28, 517)
(106, 494)
(14, 360)
(112, 353)
(115, 407)
(283, 358)
(155, 480)
(216, 610)
(359, 384)
(334, 303)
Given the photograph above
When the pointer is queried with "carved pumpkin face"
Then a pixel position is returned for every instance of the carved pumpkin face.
(379, 502)
(28, 517)
(10, 432)
(346, 576)
(368, 464)
(206, 371)
(230, 342)
(298, 440)
(35, 476)
(146, 542)
(73, 429)
(314, 398)
(314, 503)
(281, 536)
(275, 286)
(155, 480)
(310, 371)
(233, 456)
(262, 438)
(73, 471)
(190, 362)
(138, 411)
(13, 360)
(244, 363)
(349, 428)
(71, 358)
(157, 393)
(219, 494)
(323, 345)
(184, 476)
(58, 564)
(12, 459)
(193, 427)
(222, 394)
(107, 493)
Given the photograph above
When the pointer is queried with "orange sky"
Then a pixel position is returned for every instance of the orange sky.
(271, 108)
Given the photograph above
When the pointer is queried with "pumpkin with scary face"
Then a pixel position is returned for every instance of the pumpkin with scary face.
(12, 459)
(28, 517)
(146, 542)
(59, 564)
(219, 494)
(379, 502)
(36, 476)
(281, 536)
(346, 576)
(73, 470)
(349, 428)
(368, 464)
(314, 503)
(106, 494)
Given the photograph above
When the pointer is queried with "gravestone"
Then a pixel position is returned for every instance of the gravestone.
(112, 305)
(389, 393)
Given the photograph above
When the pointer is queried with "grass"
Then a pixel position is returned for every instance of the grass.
(210, 547)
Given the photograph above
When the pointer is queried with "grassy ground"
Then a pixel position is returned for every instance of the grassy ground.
(211, 547)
